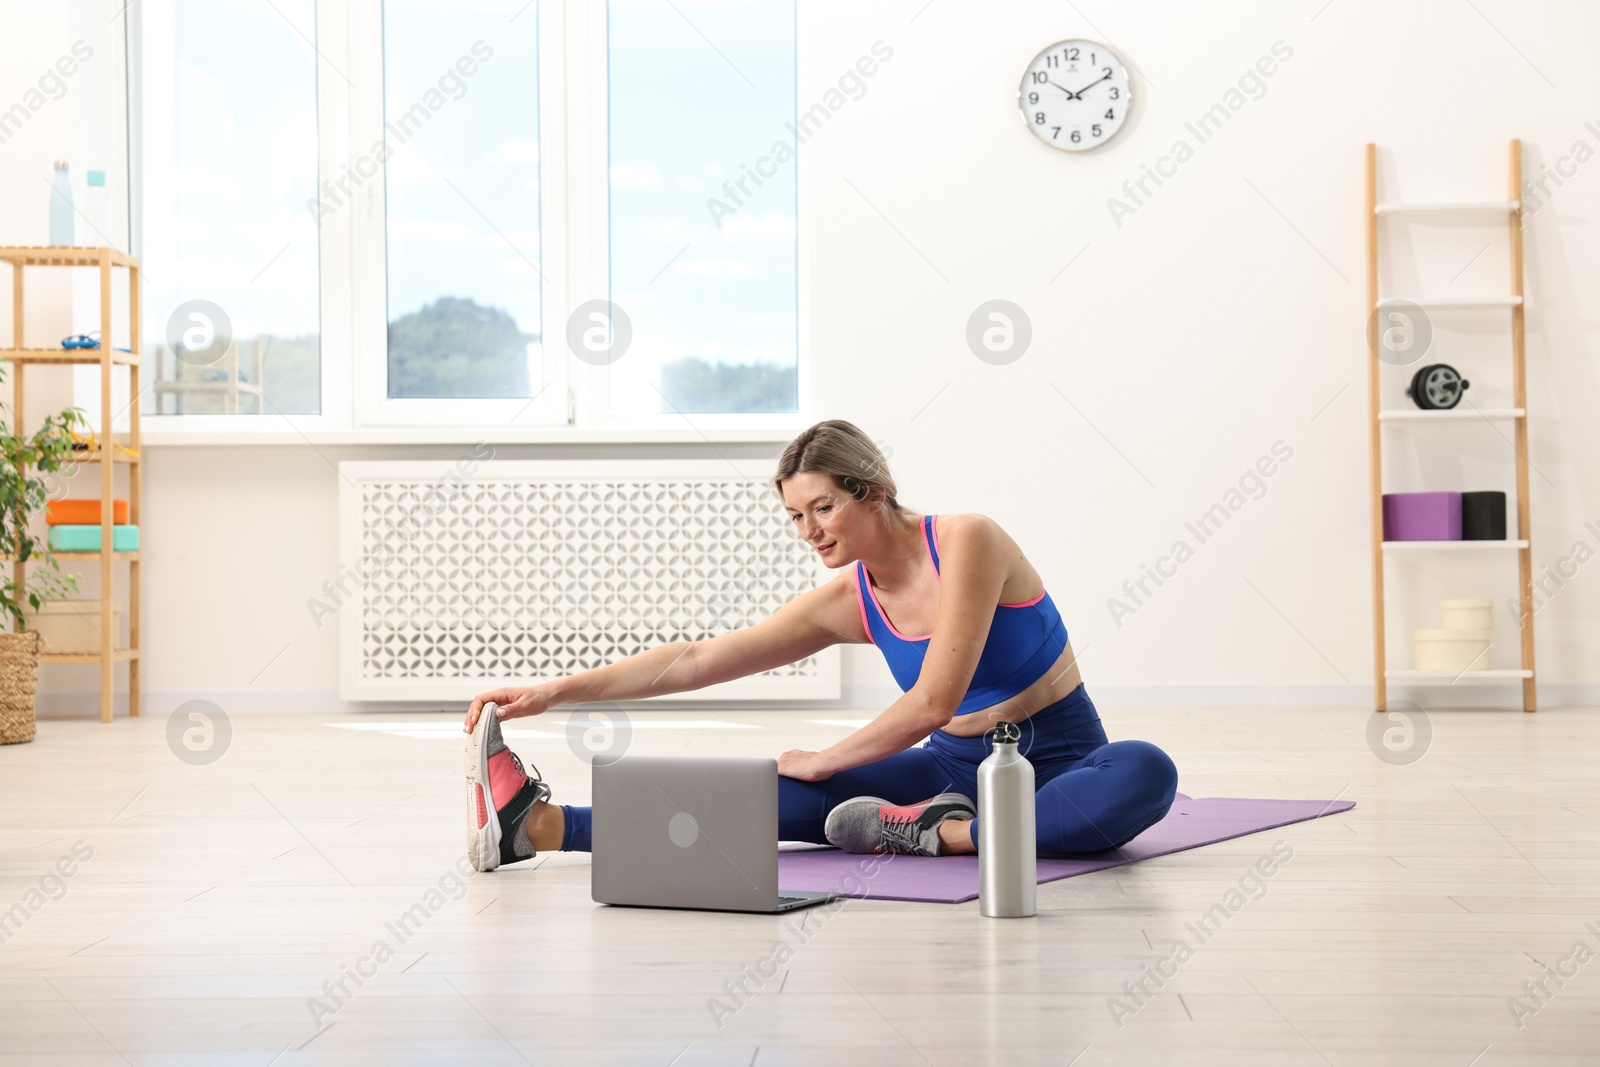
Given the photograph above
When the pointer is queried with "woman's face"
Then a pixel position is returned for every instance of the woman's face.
(826, 517)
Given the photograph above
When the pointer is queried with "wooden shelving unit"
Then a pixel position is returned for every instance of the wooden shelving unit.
(105, 357)
(231, 388)
(1517, 415)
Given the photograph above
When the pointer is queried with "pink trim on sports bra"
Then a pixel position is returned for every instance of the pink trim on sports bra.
(861, 605)
(1018, 604)
(884, 615)
(933, 525)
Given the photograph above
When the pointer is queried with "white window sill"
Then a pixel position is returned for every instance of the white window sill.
(450, 435)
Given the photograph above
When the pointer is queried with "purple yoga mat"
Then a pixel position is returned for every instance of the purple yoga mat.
(953, 879)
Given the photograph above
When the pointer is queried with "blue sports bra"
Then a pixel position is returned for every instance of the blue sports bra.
(1024, 642)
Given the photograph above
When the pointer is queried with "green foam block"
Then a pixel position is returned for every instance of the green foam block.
(75, 538)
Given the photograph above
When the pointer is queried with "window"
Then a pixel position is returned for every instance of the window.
(703, 206)
(461, 96)
(230, 254)
(369, 214)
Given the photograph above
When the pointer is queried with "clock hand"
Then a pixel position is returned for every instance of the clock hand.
(1079, 94)
(1069, 92)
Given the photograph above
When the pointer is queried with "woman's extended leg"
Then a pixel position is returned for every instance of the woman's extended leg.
(1112, 795)
(903, 778)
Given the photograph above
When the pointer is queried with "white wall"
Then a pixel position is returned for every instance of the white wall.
(1224, 314)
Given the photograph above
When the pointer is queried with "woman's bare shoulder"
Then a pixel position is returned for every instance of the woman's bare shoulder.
(970, 522)
(836, 604)
(1021, 580)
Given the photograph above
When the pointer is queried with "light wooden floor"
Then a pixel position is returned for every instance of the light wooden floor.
(219, 899)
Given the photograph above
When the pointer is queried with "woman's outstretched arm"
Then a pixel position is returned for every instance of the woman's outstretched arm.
(802, 627)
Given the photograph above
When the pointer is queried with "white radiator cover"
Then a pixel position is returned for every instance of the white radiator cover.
(464, 575)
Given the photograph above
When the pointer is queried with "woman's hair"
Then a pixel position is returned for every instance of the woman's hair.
(840, 449)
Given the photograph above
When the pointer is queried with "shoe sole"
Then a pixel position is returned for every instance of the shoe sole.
(483, 824)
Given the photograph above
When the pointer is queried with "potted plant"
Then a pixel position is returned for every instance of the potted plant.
(30, 464)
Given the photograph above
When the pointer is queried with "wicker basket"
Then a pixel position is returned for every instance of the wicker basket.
(19, 680)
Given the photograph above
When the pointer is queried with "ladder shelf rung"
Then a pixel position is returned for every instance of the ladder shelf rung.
(1451, 415)
(1457, 207)
(1487, 674)
(1443, 302)
(1456, 545)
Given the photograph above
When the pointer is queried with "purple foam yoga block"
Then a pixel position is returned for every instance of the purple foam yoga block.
(1422, 516)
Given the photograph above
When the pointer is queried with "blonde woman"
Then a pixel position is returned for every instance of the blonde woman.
(986, 645)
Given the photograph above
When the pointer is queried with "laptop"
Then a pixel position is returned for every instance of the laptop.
(689, 832)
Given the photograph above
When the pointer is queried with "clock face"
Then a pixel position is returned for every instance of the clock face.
(1074, 95)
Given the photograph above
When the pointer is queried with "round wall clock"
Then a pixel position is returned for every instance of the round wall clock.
(1074, 95)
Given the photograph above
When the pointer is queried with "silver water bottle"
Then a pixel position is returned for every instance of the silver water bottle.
(1007, 852)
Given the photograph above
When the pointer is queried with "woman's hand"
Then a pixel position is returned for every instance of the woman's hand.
(514, 703)
(806, 766)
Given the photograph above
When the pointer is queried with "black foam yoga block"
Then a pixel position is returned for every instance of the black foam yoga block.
(1483, 516)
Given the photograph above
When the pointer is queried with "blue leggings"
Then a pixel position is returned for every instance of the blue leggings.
(1090, 793)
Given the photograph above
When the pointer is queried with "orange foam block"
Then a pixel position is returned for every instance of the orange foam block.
(83, 512)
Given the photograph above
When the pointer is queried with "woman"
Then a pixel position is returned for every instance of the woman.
(984, 646)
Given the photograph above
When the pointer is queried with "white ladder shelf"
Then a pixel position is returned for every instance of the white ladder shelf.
(1517, 414)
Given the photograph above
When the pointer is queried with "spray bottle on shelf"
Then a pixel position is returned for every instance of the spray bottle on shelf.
(1007, 850)
(61, 206)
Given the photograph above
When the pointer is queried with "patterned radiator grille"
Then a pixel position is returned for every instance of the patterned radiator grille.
(510, 575)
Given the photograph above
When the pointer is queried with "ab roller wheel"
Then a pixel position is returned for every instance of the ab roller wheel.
(1437, 387)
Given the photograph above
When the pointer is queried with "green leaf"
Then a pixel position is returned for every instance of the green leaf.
(22, 496)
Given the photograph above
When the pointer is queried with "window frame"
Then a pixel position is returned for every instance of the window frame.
(332, 259)
(369, 245)
(574, 192)
(594, 397)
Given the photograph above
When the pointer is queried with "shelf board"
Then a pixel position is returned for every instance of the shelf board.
(1487, 675)
(118, 655)
(185, 386)
(1458, 207)
(62, 256)
(88, 557)
(1451, 414)
(1456, 545)
(1444, 302)
(66, 355)
(121, 457)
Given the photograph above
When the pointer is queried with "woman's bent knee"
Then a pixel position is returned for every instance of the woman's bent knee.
(1142, 769)
(1149, 783)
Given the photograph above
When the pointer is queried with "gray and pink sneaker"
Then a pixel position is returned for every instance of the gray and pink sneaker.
(500, 794)
(873, 825)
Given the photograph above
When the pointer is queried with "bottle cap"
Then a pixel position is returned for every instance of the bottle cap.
(1007, 733)
(97, 177)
